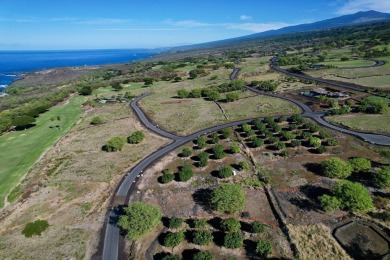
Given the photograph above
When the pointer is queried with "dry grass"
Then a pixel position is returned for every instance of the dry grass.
(364, 122)
(316, 242)
(73, 173)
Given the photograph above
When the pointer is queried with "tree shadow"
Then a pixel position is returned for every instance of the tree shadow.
(246, 227)
(202, 198)
(313, 167)
(25, 127)
(165, 221)
(215, 173)
(161, 238)
(215, 222)
(219, 237)
(250, 249)
(357, 252)
(189, 253)
(160, 256)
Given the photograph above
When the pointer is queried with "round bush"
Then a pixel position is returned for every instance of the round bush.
(257, 227)
(263, 248)
(225, 172)
(203, 255)
(233, 240)
(336, 168)
(230, 225)
(175, 222)
(202, 237)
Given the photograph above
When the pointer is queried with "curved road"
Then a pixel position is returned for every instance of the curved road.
(112, 232)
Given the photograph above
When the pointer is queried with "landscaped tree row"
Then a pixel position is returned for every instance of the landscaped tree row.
(117, 143)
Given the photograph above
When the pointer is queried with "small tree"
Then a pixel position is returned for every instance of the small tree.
(97, 120)
(353, 196)
(175, 222)
(168, 177)
(203, 255)
(257, 227)
(332, 142)
(382, 177)
(315, 142)
(114, 144)
(213, 95)
(235, 147)
(219, 151)
(280, 146)
(148, 81)
(230, 225)
(202, 237)
(139, 218)
(136, 137)
(186, 172)
(201, 142)
(329, 203)
(203, 159)
(233, 240)
(226, 133)
(186, 152)
(228, 198)
(171, 257)
(85, 91)
(225, 172)
(182, 93)
(336, 168)
(173, 239)
(295, 143)
(263, 248)
(199, 223)
(231, 97)
(257, 142)
(214, 138)
(243, 165)
(360, 164)
(23, 121)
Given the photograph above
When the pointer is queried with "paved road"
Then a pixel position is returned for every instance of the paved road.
(234, 74)
(277, 68)
(112, 232)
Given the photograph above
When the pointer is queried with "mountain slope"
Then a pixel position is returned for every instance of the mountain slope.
(345, 20)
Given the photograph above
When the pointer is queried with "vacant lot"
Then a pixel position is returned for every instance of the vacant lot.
(71, 186)
(364, 122)
(20, 149)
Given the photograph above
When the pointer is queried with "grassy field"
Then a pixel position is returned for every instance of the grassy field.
(20, 149)
(376, 77)
(364, 122)
(349, 63)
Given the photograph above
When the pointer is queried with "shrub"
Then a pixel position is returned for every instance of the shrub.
(186, 152)
(201, 142)
(360, 164)
(336, 168)
(233, 240)
(175, 222)
(35, 228)
(226, 133)
(324, 134)
(287, 135)
(321, 149)
(353, 196)
(235, 147)
(280, 146)
(243, 165)
(228, 198)
(273, 139)
(186, 172)
(214, 138)
(136, 137)
(295, 143)
(219, 151)
(97, 120)
(285, 153)
(138, 219)
(315, 142)
(231, 97)
(230, 225)
(167, 178)
(182, 93)
(306, 135)
(382, 177)
(203, 255)
(225, 172)
(202, 237)
(329, 203)
(258, 227)
(114, 144)
(257, 142)
(203, 159)
(263, 248)
(332, 142)
(199, 223)
(173, 239)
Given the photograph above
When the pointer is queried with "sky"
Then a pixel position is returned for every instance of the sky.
(126, 24)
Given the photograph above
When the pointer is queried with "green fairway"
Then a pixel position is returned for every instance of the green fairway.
(20, 149)
(349, 63)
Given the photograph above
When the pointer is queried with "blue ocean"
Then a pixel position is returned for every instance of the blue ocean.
(13, 63)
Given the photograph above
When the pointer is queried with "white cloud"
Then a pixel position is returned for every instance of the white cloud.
(187, 23)
(89, 21)
(257, 27)
(245, 17)
(353, 6)
(17, 20)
